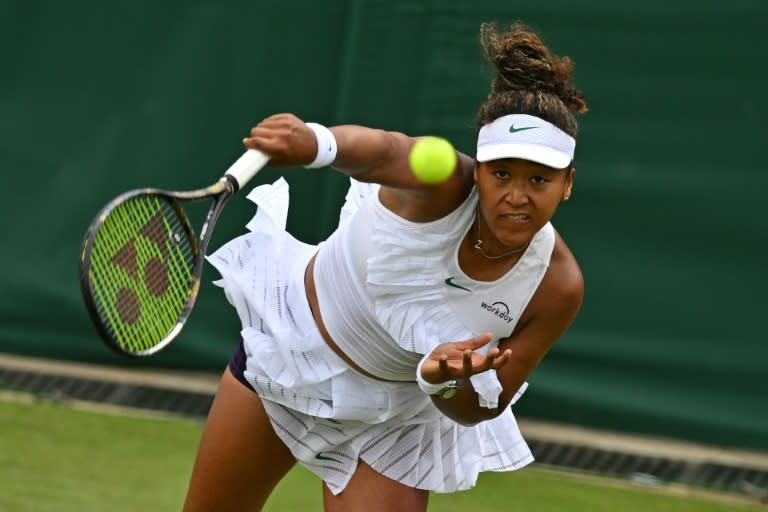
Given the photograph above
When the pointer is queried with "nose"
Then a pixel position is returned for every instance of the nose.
(517, 193)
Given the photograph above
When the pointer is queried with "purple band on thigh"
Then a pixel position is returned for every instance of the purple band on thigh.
(237, 364)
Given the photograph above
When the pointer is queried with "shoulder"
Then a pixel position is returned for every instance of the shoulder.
(564, 268)
(429, 203)
(561, 290)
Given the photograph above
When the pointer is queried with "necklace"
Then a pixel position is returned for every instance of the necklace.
(479, 243)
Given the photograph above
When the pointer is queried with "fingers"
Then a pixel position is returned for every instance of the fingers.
(501, 359)
(285, 138)
(444, 366)
(470, 363)
(467, 363)
(476, 342)
(493, 360)
(461, 360)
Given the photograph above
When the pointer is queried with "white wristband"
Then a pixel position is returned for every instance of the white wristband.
(428, 387)
(326, 146)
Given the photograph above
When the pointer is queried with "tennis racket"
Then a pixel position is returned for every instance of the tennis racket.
(141, 261)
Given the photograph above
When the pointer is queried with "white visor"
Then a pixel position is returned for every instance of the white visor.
(526, 137)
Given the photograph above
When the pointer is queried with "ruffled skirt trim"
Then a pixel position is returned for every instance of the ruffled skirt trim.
(327, 414)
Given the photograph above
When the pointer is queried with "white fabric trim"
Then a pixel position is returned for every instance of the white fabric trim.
(526, 137)
(347, 309)
(327, 414)
(326, 146)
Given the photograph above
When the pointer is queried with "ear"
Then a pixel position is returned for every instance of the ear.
(570, 174)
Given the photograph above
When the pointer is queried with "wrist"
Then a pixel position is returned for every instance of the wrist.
(446, 389)
(326, 146)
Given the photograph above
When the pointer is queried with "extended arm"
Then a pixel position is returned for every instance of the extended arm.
(369, 155)
(548, 315)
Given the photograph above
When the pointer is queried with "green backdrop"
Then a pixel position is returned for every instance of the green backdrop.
(666, 221)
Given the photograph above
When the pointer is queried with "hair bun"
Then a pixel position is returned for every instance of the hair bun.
(524, 62)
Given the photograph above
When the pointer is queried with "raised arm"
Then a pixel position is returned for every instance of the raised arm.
(369, 155)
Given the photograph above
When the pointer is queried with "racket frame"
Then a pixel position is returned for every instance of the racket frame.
(220, 191)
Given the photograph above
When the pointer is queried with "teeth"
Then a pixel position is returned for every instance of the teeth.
(516, 217)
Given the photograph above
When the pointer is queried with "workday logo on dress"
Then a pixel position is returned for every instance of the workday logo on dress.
(499, 309)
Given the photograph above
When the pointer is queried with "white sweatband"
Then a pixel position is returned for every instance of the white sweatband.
(428, 387)
(526, 137)
(326, 146)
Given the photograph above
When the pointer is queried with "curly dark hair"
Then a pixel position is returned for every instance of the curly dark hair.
(530, 79)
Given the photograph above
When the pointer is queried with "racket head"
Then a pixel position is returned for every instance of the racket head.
(140, 270)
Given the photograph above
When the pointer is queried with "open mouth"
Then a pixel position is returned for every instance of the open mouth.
(520, 217)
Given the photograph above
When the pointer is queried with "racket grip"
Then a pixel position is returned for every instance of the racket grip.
(246, 167)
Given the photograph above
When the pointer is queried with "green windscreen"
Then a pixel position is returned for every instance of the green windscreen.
(667, 217)
(141, 271)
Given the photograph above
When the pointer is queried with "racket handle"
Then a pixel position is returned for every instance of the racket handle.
(246, 167)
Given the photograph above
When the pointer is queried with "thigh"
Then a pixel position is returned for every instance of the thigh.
(373, 492)
(240, 458)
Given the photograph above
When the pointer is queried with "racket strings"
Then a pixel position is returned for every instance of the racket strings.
(134, 302)
(142, 271)
(119, 297)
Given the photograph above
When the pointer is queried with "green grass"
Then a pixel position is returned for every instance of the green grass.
(53, 457)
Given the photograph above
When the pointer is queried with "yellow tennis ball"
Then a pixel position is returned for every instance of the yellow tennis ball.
(432, 160)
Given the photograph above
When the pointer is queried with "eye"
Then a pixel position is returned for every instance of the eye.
(501, 174)
(539, 180)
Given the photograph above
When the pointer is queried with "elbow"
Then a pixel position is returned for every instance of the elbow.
(473, 416)
(466, 422)
(465, 408)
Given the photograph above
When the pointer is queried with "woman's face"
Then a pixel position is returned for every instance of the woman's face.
(517, 198)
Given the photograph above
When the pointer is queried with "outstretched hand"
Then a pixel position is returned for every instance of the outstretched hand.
(460, 360)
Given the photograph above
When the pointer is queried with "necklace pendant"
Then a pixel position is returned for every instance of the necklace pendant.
(479, 242)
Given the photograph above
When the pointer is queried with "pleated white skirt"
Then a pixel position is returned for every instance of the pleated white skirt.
(327, 414)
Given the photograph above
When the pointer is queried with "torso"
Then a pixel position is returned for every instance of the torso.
(472, 266)
(314, 305)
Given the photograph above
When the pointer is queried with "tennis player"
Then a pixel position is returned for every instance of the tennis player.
(386, 359)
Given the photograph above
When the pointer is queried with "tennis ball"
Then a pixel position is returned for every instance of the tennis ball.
(432, 160)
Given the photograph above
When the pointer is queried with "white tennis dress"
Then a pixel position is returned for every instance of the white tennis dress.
(416, 297)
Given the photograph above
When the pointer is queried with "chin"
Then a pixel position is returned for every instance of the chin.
(516, 239)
